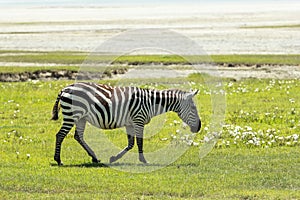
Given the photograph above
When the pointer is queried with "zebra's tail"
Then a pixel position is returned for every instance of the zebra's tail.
(55, 109)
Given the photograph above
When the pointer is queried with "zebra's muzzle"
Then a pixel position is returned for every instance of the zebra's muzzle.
(196, 129)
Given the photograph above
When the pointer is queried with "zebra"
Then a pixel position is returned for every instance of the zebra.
(108, 107)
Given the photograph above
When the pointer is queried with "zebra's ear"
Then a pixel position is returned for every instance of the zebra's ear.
(192, 93)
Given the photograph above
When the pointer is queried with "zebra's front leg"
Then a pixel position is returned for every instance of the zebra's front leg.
(125, 150)
(64, 130)
(80, 126)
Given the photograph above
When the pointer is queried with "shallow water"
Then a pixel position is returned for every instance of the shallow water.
(216, 29)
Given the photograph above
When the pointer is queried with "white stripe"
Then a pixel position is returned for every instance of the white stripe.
(127, 101)
(159, 105)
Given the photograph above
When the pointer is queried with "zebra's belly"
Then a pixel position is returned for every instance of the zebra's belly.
(108, 125)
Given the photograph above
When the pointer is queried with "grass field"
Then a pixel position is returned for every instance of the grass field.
(256, 157)
(74, 59)
(274, 26)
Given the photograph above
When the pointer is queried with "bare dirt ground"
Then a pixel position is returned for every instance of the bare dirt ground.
(236, 72)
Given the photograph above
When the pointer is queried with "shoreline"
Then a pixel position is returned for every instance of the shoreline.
(235, 72)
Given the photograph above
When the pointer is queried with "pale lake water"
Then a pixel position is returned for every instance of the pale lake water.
(218, 29)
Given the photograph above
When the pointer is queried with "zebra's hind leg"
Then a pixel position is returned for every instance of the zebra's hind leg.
(139, 141)
(64, 130)
(130, 145)
(80, 126)
(125, 150)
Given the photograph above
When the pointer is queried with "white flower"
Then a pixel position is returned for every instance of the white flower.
(271, 136)
(292, 100)
(28, 155)
(184, 125)
(288, 137)
(189, 142)
(196, 143)
(248, 128)
(176, 122)
(206, 139)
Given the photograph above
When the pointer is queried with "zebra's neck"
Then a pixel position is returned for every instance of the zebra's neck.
(164, 101)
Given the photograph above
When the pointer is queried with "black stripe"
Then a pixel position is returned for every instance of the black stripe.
(163, 99)
(101, 113)
(69, 120)
(74, 102)
(72, 113)
(66, 99)
(67, 113)
(65, 107)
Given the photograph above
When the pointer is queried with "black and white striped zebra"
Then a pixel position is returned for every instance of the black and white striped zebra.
(109, 107)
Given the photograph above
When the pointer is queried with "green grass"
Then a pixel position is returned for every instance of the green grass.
(6, 69)
(258, 59)
(224, 174)
(77, 58)
(273, 26)
(45, 57)
(230, 171)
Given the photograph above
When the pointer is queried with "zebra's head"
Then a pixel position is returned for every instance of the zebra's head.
(188, 111)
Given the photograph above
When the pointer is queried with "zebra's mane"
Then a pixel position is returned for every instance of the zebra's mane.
(180, 93)
(176, 90)
(166, 90)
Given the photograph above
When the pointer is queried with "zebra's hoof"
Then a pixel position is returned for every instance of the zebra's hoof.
(142, 159)
(95, 160)
(59, 163)
(112, 159)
